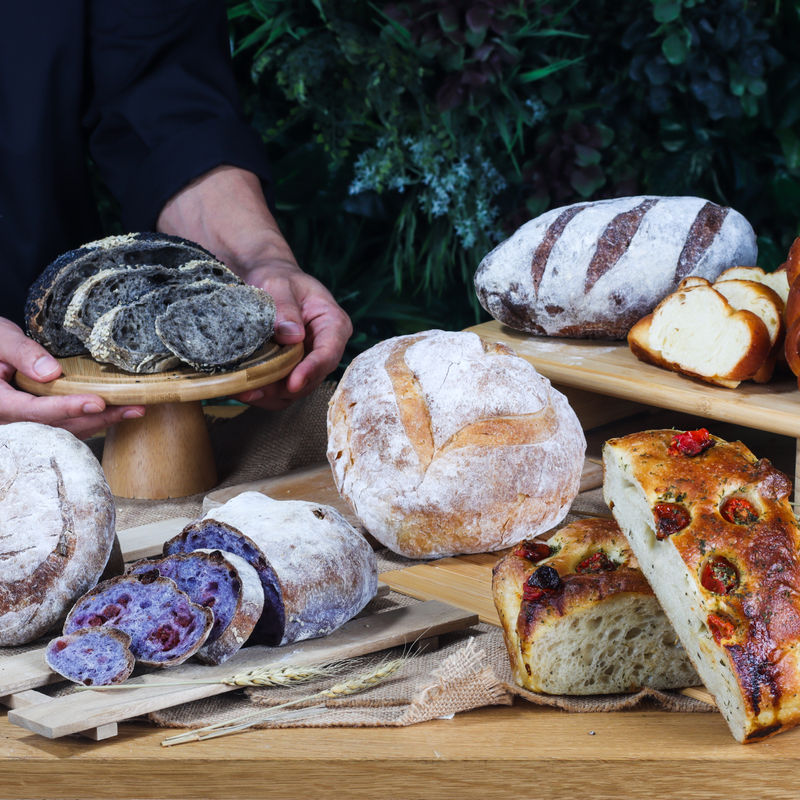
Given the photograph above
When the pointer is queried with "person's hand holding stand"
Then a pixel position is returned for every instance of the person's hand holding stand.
(224, 210)
(80, 414)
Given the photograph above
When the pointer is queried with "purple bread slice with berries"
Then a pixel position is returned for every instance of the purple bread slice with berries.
(317, 571)
(223, 582)
(165, 626)
(92, 656)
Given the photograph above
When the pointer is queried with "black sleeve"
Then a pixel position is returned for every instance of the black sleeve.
(164, 104)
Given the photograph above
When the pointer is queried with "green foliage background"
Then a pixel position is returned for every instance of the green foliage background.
(408, 138)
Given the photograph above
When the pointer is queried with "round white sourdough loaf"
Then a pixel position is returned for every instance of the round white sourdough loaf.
(591, 270)
(58, 527)
(444, 444)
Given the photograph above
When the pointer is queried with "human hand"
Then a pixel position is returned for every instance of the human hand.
(81, 414)
(305, 311)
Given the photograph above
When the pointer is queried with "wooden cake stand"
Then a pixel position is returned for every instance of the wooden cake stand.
(166, 453)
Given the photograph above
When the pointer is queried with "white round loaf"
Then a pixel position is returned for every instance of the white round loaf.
(57, 530)
(591, 270)
(445, 444)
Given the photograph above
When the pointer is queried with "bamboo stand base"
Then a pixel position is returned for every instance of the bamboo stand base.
(166, 453)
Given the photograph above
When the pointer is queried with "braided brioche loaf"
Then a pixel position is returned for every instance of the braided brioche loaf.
(716, 538)
(443, 444)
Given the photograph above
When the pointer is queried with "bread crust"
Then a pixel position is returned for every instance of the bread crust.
(444, 444)
(532, 625)
(758, 655)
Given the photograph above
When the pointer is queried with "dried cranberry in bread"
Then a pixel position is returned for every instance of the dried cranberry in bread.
(715, 535)
(222, 582)
(92, 656)
(591, 270)
(578, 616)
(443, 443)
(317, 571)
(58, 527)
(165, 626)
(697, 332)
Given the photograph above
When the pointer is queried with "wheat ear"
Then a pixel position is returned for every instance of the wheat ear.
(349, 687)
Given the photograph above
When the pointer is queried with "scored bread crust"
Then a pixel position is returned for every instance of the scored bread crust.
(599, 632)
(744, 638)
(443, 443)
(697, 332)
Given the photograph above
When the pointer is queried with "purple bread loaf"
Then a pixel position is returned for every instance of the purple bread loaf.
(92, 656)
(165, 626)
(223, 582)
(317, 571)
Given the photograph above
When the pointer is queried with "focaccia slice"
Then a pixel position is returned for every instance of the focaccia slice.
(579, 618)
(716, 538)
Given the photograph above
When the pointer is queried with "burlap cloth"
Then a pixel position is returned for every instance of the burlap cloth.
(468, 670)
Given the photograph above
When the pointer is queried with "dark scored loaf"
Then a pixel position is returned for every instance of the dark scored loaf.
(50, 294)
(591, 270)
(219, 330)
(222, 582)
(111, 288)
(58, 528)
(165, 626)
(317, 571)
(126, 335)
(92, 656)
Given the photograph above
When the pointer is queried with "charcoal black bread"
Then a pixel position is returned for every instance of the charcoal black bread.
(217, 331)
(111, 288)
(49, 296)
(126, 335)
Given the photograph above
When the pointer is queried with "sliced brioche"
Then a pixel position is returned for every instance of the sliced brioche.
(217, 330)
(778, 281)
(715, 536)
(697, 332)
(578, 616)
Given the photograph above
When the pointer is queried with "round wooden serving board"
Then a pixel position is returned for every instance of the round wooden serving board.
(166, 453)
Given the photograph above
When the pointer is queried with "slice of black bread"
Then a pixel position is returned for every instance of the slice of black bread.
(219, 330)
(48, 297)
(118, 286)
(126, 335)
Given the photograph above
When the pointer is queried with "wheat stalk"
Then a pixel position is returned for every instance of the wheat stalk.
(270, 675)
(352, 686)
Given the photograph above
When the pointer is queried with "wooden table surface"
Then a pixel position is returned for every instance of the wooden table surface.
(517, 752)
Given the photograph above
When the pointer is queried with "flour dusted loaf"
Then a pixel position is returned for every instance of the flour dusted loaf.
(92, 656)
(58, 527)
(715, 536)
(579, 617)
(50, 295)
(443, 444)
(164, 625)
(316, 570)
(591, 270)
(222, 582)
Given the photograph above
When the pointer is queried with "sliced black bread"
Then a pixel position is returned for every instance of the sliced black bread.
(50, 294)
(219, 330)
(126, 335)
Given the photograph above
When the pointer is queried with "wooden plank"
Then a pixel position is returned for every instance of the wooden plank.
(147, 540)
(610, 368)
(367, 634)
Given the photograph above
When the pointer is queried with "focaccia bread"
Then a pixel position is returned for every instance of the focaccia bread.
(716, 538)
(57, 527)
(579, 617)
(591, 270)
(317, 571)
(443, 443)
(222, 582)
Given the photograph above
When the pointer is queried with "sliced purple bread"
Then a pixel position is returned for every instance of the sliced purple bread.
(92, 656)
(165, 626)
(223, 582)
(317, 571)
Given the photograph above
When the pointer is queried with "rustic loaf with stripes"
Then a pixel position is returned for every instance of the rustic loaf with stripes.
(591, 270)
(445, 444)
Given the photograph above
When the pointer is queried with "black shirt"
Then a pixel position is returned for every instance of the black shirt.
(143, 86)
